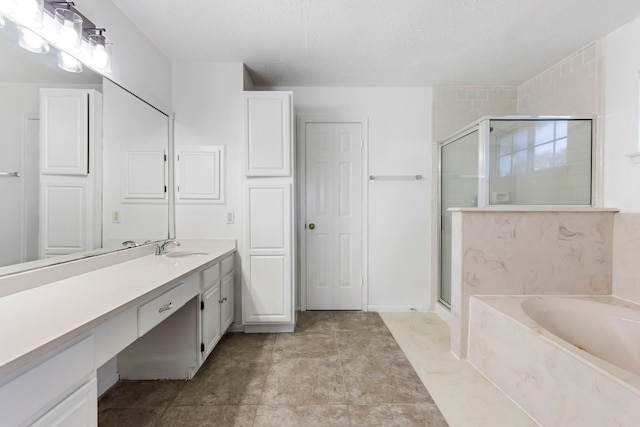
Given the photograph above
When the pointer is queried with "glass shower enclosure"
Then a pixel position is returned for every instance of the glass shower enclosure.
(512, 160)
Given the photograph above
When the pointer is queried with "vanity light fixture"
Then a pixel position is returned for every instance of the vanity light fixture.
(2, 21)
(59, 22)
(26, 12)
(68, 28)
(68, 63)
(100, 50)
(32, 42)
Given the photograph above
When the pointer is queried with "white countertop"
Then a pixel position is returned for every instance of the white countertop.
(36, 321)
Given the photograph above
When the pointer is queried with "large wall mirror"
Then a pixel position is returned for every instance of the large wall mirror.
(64, 199)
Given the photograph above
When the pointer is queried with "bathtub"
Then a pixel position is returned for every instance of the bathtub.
(566, 361)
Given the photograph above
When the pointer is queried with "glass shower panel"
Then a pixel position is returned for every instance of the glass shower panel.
(540, 162)
(458, 188)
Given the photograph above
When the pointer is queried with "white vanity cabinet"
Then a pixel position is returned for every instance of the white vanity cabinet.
(175, 348)
(216, 304)
(59, 390)
(268, 261)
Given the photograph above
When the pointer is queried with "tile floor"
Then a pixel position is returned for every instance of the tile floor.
(337, 369)
(465, 397)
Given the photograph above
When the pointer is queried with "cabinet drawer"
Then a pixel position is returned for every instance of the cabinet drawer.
(161, 307)
(210, 275)
(226, 266)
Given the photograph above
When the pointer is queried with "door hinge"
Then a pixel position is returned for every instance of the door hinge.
(201, 305)
(202, 347)
(165, 157)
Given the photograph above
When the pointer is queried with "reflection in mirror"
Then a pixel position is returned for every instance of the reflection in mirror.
(135, 199)
(35, 222)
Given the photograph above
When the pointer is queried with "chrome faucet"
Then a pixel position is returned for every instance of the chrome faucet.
(130, 244)
(161, 248)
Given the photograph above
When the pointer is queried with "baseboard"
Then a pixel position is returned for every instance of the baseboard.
(268, 329)
(398, 308)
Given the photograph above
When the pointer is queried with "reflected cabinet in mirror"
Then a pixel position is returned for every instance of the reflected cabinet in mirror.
(83, 162)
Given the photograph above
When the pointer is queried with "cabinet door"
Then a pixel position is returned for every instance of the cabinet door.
(268, 133)
(64, 217)
(64, 131)
(226, 287)
(210, 319)
(78, 410)
(268, 269)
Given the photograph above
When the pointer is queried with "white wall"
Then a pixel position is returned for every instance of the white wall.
(207, 100)
(622, 64)
(208, 111)
(399, 143)
(136, 63)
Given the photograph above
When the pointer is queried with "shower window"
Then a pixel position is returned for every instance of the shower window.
(540, 162)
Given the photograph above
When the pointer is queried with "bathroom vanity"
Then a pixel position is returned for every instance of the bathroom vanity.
(161, 312)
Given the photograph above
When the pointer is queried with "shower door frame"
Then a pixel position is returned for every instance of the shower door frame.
(482, 126)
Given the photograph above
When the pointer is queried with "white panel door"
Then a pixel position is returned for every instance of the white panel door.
(64, 121)
(268, 269)
(334, 216)
(268, 143)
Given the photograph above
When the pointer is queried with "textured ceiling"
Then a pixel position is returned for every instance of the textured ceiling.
(379, 42)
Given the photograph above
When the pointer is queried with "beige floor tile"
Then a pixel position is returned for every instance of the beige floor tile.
(462, 394)
(418, 415)
(213, 416)
(302, 416)
(373, 380)
(129, 417)
(358, 321)
(230, 382)
(243, 346)
(365, 343)
(138, 394)
(308, 381)
(314, 321)
(309, 344)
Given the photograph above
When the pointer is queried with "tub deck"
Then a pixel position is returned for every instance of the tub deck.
(556, 383)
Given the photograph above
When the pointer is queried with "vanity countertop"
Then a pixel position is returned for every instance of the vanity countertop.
(36, 321)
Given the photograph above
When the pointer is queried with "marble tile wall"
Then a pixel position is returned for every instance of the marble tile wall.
(527, 253)
(626, 256)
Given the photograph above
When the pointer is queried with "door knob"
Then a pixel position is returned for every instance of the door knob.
(312, 226)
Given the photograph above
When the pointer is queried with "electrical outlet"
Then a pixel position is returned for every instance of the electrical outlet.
(115, 216)
(230, 217)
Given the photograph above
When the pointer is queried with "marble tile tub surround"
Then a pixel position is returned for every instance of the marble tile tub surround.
(527, 252)
(556, 383)
(626, 256)
(337, 369)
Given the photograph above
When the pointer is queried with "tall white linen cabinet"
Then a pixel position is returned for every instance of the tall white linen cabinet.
(70, 171)
(268, 229)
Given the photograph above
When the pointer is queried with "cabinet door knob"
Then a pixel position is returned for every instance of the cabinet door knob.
(312, 226)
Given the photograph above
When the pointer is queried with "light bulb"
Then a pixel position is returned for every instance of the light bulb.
(32, 42)
(2, 21)
(68, 34)
(29, 12)
(69, 63)
(100, 56)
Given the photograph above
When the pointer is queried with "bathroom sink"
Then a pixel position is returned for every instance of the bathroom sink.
(185, 254)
